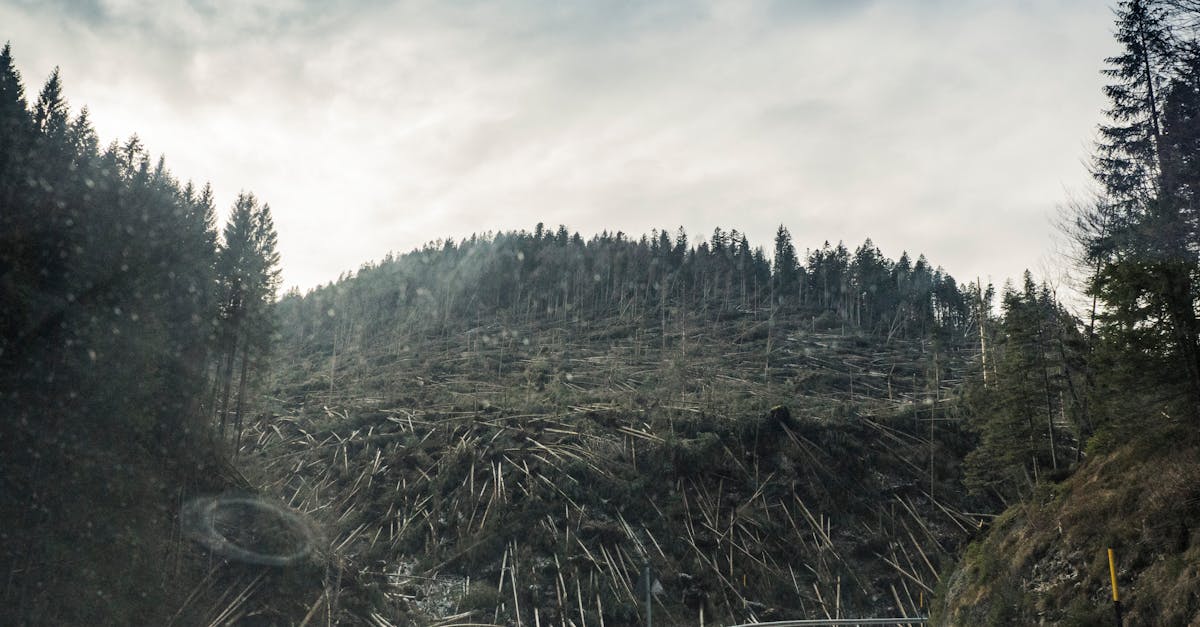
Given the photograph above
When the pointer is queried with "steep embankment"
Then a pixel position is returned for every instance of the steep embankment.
(526, 465)
(1044, 561)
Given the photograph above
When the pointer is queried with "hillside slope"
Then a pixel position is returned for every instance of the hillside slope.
(509, 465)
(1044, 561)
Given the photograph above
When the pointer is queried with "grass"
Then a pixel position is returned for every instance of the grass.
(1047, 558)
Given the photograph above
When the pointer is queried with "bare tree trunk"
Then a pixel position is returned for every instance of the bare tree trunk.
(937, 386)
(982, 333)
(1049, 405)
(241, 402)
(216, 387)
(228, 382)
(332, 363)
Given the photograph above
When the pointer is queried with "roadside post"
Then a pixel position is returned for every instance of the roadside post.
(1112, 573)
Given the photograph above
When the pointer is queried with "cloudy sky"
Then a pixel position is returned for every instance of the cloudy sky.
(949, 127)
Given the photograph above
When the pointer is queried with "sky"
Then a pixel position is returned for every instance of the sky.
(953, 128)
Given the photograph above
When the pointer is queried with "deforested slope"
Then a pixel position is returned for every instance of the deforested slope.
(520, 452)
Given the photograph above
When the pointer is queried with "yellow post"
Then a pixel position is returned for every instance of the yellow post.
(1112, 573)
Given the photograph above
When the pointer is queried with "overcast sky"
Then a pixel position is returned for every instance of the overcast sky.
(949, 127)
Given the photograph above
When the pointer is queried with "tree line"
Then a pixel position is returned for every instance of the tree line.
(555, 274)
(108, 257)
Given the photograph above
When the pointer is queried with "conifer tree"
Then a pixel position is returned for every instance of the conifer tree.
(14, 128)
(248, 277)
(1144, 255)
(105, 297)
(785, 281)
(16, 220)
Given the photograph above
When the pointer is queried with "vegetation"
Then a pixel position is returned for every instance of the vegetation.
(1139, 242)
(677, 337)
(116, 307)
(1127, 375)
(1029, 402)
(1045, 559)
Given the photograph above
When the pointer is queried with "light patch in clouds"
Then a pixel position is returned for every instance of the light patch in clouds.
(952, 129)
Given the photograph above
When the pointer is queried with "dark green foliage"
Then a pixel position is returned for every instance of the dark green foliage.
(1126, 163)
(247, 274)
(1029, 415)
(1122, 386)
(107, 307)
(1141, 241)
(786, 283)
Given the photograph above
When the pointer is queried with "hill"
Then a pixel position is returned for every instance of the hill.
(524, 459)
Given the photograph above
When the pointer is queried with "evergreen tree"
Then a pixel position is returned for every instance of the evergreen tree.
(785, 279)
(50, 113)
(17, 219)
(248, 276)
(106, 298)
(1144, 255)
(1020, 415)
(14, 131)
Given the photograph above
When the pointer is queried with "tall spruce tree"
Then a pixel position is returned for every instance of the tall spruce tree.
(16, 220)
(248, 277)
(14, 131)
(1144, 255)
(1127, 158)
(786, 277)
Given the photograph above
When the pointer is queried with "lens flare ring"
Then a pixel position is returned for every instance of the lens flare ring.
(203, 519)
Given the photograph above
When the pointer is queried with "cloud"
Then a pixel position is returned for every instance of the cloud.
(947, 128)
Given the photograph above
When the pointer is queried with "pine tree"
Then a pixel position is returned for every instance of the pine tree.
(14, 128)
(105, 281)
(17, 219)
(248, 275)
(1015, 416)
(785, 279)
(234, 276)
(1144, 253)
(1126, 163)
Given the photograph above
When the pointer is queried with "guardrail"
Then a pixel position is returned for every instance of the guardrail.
(823, 622)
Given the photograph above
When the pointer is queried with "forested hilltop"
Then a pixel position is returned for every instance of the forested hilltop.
(613, 394)
(556, 274)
